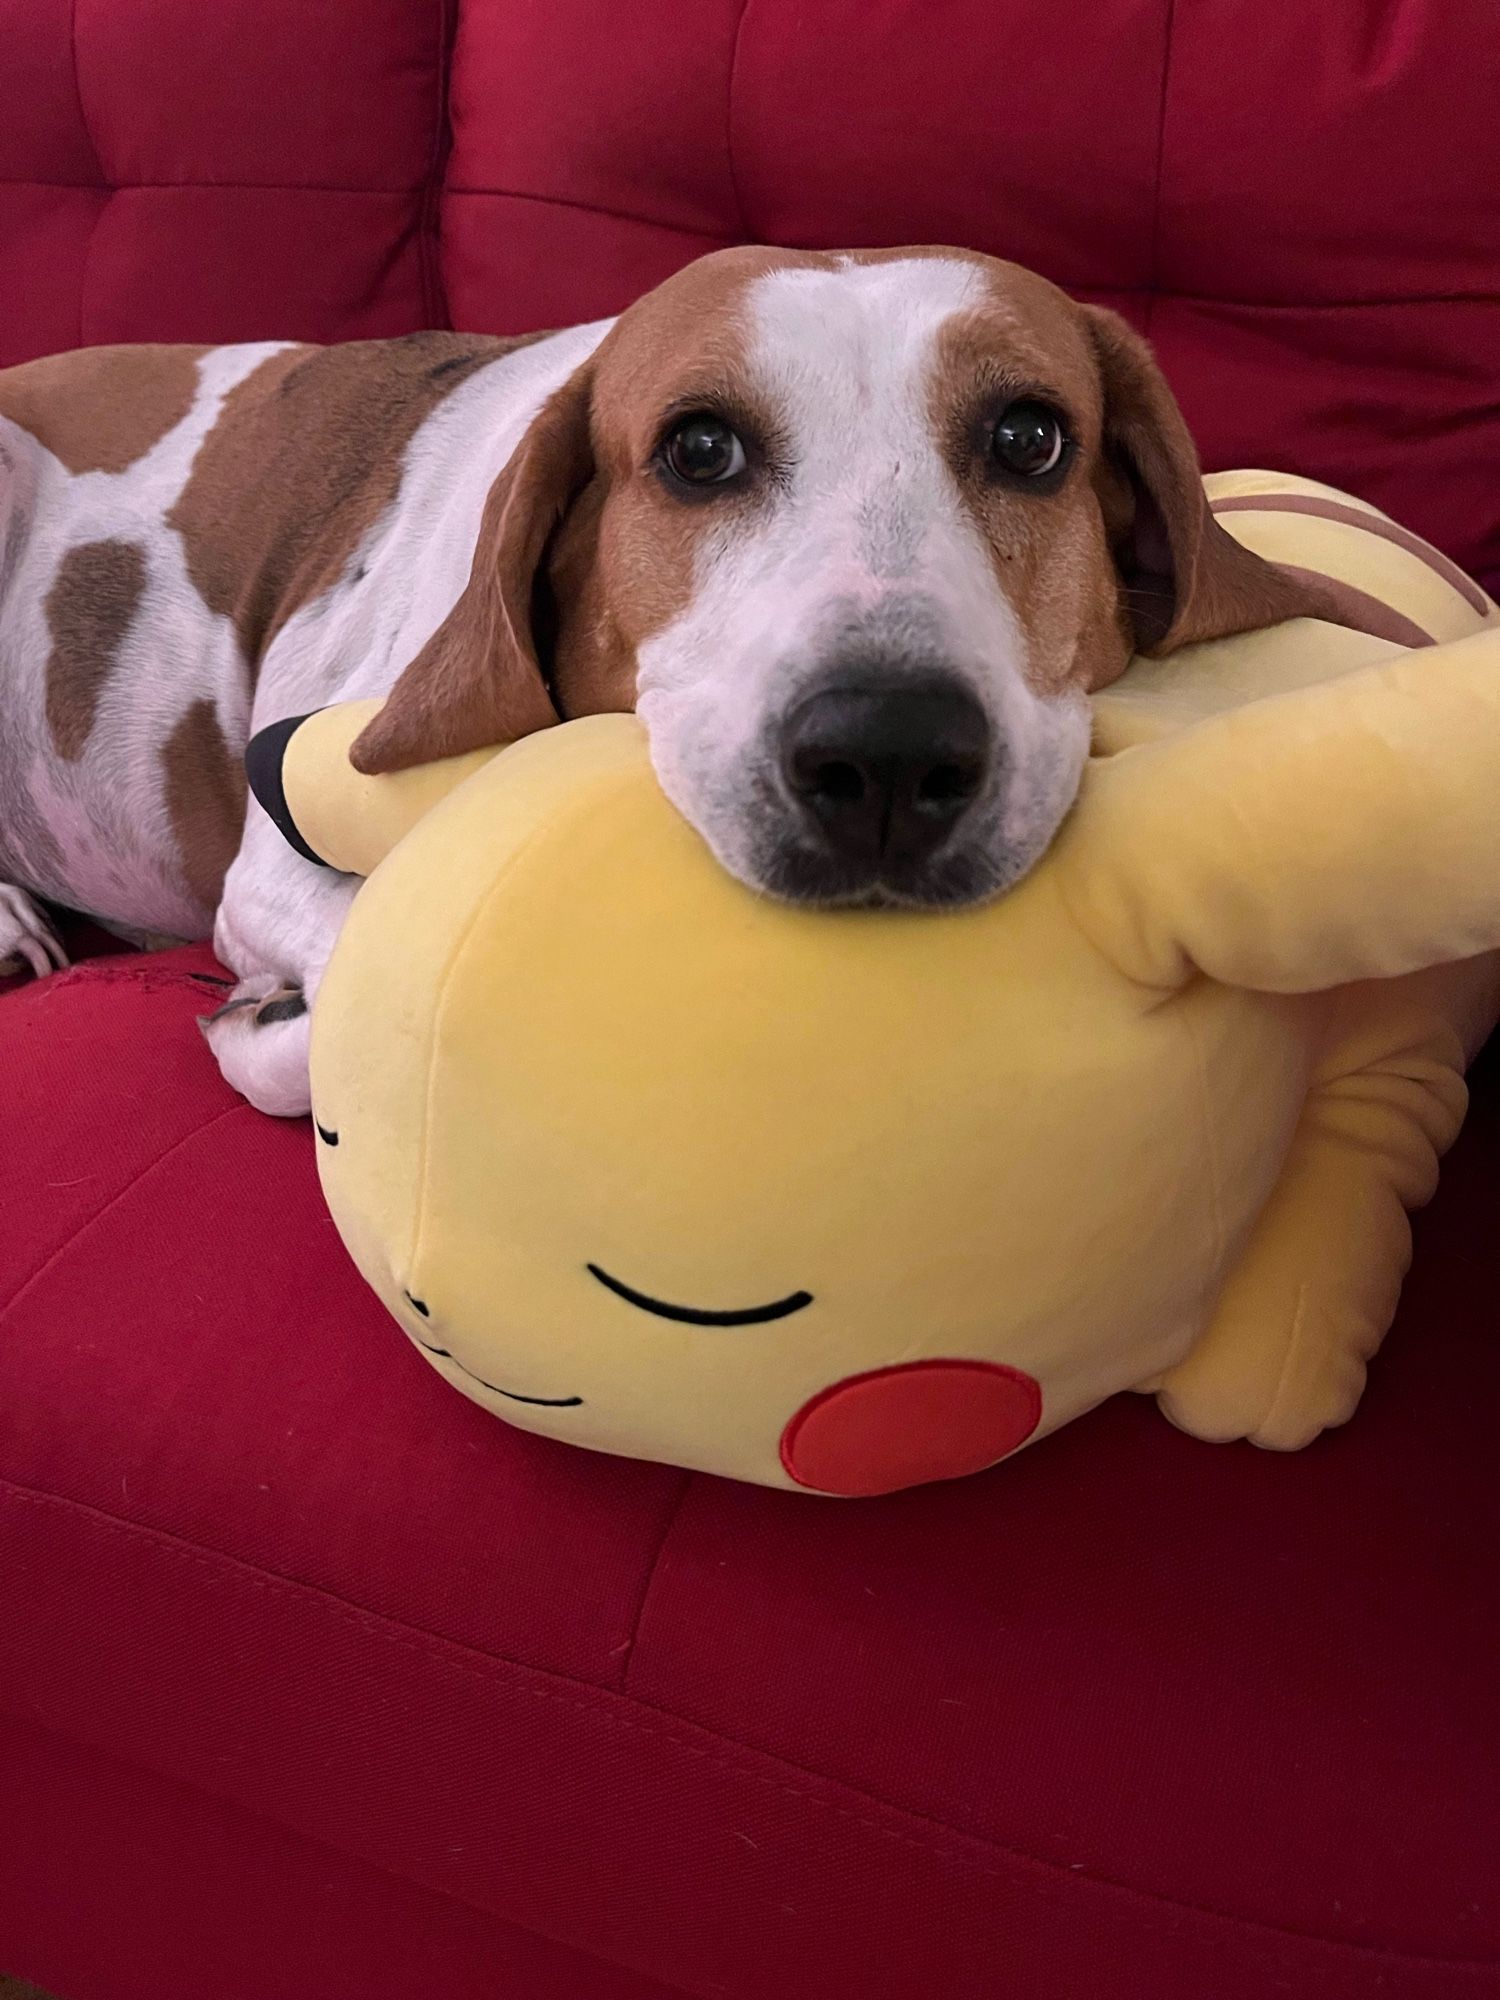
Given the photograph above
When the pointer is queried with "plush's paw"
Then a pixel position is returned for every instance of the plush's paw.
(26, 937)
(259, 1038)
(1277, 1387)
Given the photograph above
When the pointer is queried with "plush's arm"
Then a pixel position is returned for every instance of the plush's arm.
(330, 811)
(1346, 831)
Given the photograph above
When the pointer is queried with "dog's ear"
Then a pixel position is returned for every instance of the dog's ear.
(478, 681)
(1182, 577)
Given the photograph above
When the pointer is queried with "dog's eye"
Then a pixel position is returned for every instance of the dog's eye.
(703, 451)
(1028, 439)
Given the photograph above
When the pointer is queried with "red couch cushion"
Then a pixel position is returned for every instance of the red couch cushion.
(294, 1643)
(1129, 1701)
(217, 170)
(1301, 205)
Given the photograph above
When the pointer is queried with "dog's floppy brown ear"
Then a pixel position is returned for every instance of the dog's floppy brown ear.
(478, 680)
(1182, 577)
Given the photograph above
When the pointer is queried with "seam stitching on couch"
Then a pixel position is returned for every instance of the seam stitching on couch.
(594, 208)
(97, 1215)
(429, 221)
(627, 1652)
(83, 120)
(1379, 303)
(428, 1887)
(1153, 267)
(734, 63)
(951, 1844)
(104, 187)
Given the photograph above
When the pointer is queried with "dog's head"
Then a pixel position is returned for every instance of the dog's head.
(857, 534)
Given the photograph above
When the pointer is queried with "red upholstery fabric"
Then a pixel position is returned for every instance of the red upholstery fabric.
(1129, 1715)
(315, 1681)
(1300, 205)
(217, 170)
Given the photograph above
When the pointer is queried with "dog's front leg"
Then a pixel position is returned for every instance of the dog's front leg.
(277, 923)
(26, 937)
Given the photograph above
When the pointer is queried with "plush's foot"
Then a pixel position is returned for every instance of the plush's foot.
(1284, 1355)
(1278, 1381)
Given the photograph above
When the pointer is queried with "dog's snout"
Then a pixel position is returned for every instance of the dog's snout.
(885, 773)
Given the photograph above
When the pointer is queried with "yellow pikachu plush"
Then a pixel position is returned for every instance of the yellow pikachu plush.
(846, 1202)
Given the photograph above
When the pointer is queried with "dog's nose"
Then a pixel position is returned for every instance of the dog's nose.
(886, 773)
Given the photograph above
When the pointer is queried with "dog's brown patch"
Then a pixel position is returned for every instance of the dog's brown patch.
(205, 793)
(1048, 548)
(579, 527)
(305, 457)
(1124, 554)
(93, 598)
(623, 565)
(100, 409)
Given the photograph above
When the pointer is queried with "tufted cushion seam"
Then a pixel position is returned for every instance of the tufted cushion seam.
(972, 1853)
(90, 1221)
(1153, 264)
(429, 243)
(212, 186)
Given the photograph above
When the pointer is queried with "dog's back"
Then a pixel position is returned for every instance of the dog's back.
(164, 512)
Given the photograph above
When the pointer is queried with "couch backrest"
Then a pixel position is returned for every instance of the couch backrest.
(1299, 200)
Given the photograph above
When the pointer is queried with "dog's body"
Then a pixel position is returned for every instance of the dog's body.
(158, 606)
(856, 535)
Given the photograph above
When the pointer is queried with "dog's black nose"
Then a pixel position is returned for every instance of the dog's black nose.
(886, 773)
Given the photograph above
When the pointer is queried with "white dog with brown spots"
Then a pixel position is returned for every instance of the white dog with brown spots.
(856, 534)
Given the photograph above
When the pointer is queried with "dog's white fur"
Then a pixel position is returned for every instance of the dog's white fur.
(864, 540)
(94, 835)
(280, 916)
(870, 538)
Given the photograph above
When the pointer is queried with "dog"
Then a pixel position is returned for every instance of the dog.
(856, 534)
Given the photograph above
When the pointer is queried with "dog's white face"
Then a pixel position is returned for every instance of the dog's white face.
(857, 535)
(847, 706)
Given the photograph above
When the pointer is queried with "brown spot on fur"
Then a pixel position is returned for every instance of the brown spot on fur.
(581, 554)
(305, 457)
(1184, 579)
(100, 409)
(205, 793)
(1124, 554)
(93, 598)
(624, 562)
(1047, 545)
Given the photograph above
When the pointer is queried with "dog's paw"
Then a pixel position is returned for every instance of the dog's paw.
(26, 937)
(259, 1038)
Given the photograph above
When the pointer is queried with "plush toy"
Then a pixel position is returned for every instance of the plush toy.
(846, 1202)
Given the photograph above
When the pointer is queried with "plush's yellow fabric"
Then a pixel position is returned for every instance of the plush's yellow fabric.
(1150, 1122)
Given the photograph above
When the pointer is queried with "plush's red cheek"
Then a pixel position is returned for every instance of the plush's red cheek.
(905, 1426)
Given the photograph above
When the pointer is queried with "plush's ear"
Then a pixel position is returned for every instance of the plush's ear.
(478, 680)
(1182, 577)
(301, 773)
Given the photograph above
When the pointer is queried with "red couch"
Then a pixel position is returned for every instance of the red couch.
(316, 1683)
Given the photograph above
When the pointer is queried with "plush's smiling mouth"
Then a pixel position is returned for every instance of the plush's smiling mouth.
(696, 1315)
(443, 1354)
(794, 1302)
(546, 1402)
